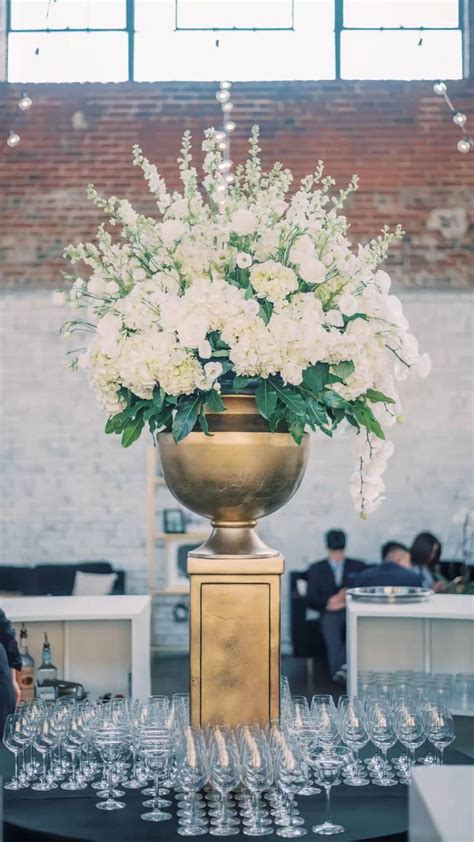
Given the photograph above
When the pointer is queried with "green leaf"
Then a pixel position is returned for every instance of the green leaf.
(248, 292)
(132, 431)
(377, 397)
(241, 382)
(278, 416)
(266, 398)
(366, 418)
(214, 401)
(343, 369)
(295, 426)
(333, 400)
(203, 424)
(348, 319)
(186, 417)
(158, 397)
(226, 366)
(315, 378)
(223, 353)
(316, 411)
(266, 310)
(291, 398)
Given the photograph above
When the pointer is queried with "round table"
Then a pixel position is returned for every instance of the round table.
(367, 813)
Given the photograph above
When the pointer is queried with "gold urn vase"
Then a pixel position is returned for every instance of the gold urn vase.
(233, 477)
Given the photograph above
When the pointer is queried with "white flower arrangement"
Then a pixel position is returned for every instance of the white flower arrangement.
(251, 289)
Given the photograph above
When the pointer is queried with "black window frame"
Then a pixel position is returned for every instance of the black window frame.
(339, 29)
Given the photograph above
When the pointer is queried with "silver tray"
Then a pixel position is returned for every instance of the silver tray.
(390, 594)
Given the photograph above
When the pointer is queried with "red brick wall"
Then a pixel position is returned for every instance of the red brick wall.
(398, 136)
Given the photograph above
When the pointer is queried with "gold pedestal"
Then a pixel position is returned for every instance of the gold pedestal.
(235, 639)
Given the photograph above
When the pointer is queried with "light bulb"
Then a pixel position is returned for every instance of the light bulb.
(225, 165)
(220, 188)
(222, 146)
(229, 178)
(464, 145)
(219, 136)
(225, 86)
(13, 139)
(227, 107)
(25, 102)
(440, 88)
(230, 126)
(222, 96)
(459, 119)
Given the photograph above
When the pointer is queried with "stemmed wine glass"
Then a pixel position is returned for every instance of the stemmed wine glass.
(155, 748)
(15, 742)
(410, 727)
(72, 743)
(108, 740)
(224, 776)
(44, 742)
(440, 729)
(329, 763)
(257, 777)
(291, 774)
(354, 733)
(192, 772)
(382, 733)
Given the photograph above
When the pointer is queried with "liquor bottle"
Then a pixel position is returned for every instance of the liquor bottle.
(46, 674)
(26, 678)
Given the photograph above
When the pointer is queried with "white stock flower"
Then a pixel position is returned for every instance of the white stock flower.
(112, 288)
(312, 271)
(423, 366)
(243, 222)
(171, 231)
(96, 285)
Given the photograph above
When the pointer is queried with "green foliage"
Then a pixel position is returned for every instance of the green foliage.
(266, 397)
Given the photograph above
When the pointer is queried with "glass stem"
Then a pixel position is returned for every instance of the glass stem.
(223, 809)
(441, 752)
(157, 791)
(385, 762)
(290, 810)
(110, 779)
(44, 768)
(16, 776)
(328, 804)
(73, 766)
(256, 806)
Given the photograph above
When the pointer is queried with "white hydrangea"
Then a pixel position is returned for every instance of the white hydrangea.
(272, 280)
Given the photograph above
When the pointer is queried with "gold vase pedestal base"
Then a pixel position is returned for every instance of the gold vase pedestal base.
(235, 639)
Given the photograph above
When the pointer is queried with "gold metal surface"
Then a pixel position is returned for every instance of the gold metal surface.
(235, 648)
(240, 473)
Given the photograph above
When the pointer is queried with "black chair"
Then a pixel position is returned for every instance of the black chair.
(306, 637)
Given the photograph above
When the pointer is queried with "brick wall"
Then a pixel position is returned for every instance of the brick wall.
(69, 492)
(398, 136)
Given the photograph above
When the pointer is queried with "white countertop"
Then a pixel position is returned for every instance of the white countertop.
(37, 608)
(441, 804)
(438, 606)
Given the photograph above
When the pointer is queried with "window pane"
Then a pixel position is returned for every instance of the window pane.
(75, 14)
(163, 54)
(266, 14)
(68, 57)
(396, 55)
(360, 13)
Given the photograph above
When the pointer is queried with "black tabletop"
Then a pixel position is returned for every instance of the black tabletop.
(367, 813)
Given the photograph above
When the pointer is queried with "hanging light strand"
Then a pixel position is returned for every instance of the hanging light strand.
(459, 118)
(223, 141)
(13, 138)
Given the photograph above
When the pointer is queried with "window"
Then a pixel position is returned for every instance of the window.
(151, 40)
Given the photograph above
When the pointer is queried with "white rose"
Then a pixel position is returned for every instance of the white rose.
(212, 371)
(312, 271)
(303, 248)
(138, 274)
(171, 231)
(347, 304)
(243, 222)
(112, 288)
(243, 260)
(383, 280)
(205, 350)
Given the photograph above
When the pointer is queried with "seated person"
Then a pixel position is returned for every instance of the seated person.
(395, 569)
(327, 583)
(425, 558)
(10, 663)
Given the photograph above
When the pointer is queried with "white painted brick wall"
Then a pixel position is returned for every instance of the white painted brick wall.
(69, 492)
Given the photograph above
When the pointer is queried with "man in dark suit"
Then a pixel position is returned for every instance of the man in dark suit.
(327, 583)
(395, 569)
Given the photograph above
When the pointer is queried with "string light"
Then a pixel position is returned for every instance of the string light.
(459, 118)
(222, 137)
(13, 139)
(25, 102)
